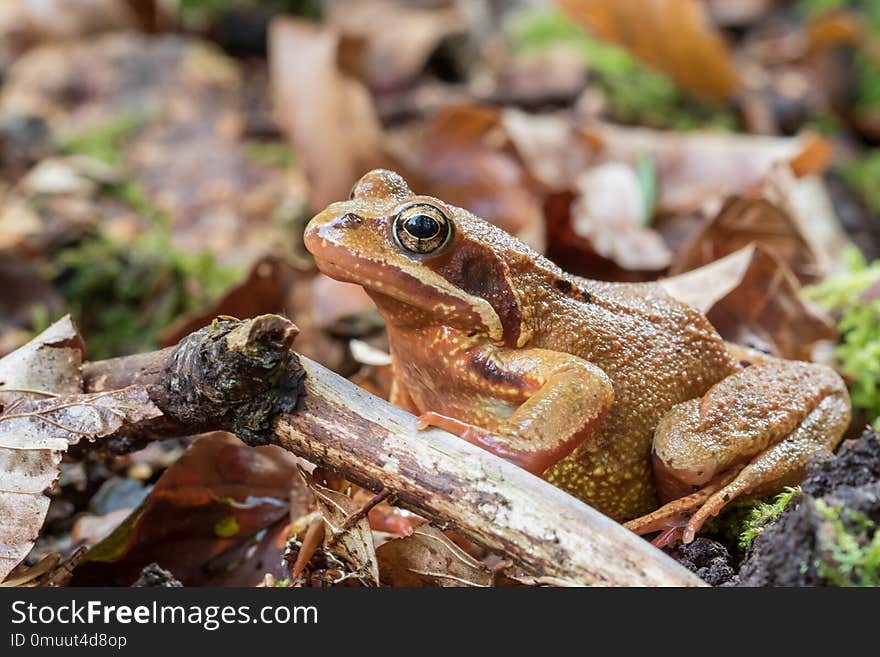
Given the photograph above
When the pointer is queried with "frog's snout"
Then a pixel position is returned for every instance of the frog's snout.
(328, 228)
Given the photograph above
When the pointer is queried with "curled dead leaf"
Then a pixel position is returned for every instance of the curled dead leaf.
(753, 299)
(428, 558)
(327, 116)
(348, 539)
(742, 221)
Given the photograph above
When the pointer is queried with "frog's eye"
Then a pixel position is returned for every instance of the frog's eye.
(422, 228)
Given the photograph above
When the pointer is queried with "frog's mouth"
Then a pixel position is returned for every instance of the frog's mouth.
(420, 288)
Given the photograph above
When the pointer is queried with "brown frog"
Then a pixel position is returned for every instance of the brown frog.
(615, 392)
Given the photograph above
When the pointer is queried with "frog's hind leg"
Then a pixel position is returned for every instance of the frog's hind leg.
(757, 428)
(782, 464)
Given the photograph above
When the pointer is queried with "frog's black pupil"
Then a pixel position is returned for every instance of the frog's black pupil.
(422, 227)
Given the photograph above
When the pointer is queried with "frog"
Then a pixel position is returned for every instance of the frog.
(617, 393)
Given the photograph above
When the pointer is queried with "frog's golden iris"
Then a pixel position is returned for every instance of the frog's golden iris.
(422, 228)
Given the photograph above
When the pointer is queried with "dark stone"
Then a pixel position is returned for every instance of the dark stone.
(154, 576)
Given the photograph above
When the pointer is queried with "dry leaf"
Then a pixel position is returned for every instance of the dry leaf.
(33, 435)
(465, 156)
(742, 221)
(204, 520)
(429, 558)
(673, 36)
(348, 537)
(396, 53)
(50, 362)
(610, 212)
(753, 299)
(327, 116)
(695, 166)
(261, 291)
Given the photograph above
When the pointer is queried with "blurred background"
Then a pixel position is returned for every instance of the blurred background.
(159, 160)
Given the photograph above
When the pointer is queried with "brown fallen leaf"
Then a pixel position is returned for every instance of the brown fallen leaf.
(673, 36)
(216, 516)
(465, 156)
(263, 290)
(742, 221)
(348, 539)
(753, 299)
(694, 167)
(328, 116)
(397, 53)
(33, 436)
(428, 558)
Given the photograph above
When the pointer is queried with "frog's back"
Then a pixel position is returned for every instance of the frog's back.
(658, 352)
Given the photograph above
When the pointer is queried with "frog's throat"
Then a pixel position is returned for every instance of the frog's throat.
(428, 291)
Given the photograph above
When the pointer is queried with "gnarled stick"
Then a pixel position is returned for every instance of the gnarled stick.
(376, 445)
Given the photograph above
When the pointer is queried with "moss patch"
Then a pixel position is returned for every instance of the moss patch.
(859, 326)
(849, 547)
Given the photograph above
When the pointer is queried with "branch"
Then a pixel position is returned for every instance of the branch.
(234, 375)
(376, 445)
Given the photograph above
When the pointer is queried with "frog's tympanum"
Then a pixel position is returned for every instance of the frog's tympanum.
(615, 392)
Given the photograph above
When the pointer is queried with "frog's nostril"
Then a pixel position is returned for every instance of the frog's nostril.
(348, 220)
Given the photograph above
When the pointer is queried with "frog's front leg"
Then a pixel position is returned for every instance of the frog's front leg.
(751, 434)
(566, 398)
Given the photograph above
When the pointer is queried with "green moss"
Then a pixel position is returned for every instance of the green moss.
(859, 326)
(761, 514)
(271, 153)
(863, 175)
(104, 142)
(635, 92)
(206, 10)
(850, 553)
(123, 293)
